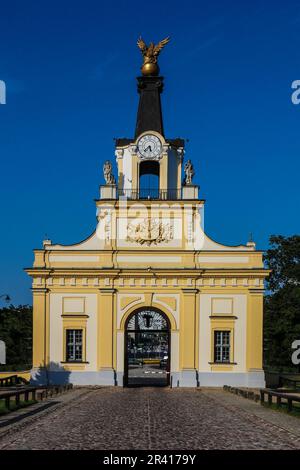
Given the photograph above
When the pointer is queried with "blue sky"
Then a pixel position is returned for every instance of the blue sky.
(70, 71)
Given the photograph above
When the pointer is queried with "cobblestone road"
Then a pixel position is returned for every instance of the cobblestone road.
(157, 419)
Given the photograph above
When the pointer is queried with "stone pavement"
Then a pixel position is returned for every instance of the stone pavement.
(156, 419)
(21, 417)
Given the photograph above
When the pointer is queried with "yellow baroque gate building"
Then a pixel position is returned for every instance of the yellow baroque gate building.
(148, 298)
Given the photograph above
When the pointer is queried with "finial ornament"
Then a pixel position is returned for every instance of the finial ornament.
(150, 54)
(107, 173)
(189, 173)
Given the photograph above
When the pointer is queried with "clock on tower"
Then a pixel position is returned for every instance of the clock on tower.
(149, 146)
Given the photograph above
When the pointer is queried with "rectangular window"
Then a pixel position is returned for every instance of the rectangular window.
(74, 345)
(222, 346)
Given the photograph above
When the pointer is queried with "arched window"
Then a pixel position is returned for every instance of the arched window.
(148, 319)
(149, 180)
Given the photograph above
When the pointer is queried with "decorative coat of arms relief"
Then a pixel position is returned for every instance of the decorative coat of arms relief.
(149, 232)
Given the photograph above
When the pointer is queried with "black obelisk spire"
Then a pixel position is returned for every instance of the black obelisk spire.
(149, 115)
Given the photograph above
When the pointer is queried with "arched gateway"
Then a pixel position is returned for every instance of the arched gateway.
(147, 348)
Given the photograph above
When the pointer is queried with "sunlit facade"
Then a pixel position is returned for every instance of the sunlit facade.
(148, 298)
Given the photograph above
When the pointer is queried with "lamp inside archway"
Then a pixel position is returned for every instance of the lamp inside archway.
(148, 320)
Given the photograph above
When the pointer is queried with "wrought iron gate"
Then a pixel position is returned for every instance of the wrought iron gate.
(147, 349)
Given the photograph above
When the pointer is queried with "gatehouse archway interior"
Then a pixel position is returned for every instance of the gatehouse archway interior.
(147, 349)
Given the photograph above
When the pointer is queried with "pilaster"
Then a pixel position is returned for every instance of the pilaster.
(40, 333)
(106, 341)
(188, 376)
(254, 345)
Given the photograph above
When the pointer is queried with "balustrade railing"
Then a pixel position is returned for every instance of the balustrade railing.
(280, 398)
(150, 194)
(12, 380)
(12, 400)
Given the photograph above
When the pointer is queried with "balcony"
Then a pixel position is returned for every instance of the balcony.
(150, 194)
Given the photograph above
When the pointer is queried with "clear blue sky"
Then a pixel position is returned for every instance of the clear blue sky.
(70, 71)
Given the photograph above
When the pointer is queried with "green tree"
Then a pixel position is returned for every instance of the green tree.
(282, 304)
(16, 331)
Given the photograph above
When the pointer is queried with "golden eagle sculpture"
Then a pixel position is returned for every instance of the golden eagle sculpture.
(150, 54)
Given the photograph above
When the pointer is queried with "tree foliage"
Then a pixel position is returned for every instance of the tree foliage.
(282, 304)
(16, 331)
(283, 258)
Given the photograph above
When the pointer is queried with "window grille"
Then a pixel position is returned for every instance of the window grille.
(222, 346)
(74, 346)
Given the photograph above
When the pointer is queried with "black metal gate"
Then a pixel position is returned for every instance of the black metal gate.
(147, 349)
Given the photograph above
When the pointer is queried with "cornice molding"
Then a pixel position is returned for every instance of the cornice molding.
(39, 290)
(189, 291)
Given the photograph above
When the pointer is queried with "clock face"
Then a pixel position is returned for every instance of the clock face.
(149, 146)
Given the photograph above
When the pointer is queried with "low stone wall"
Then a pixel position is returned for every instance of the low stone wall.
(251, 394)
